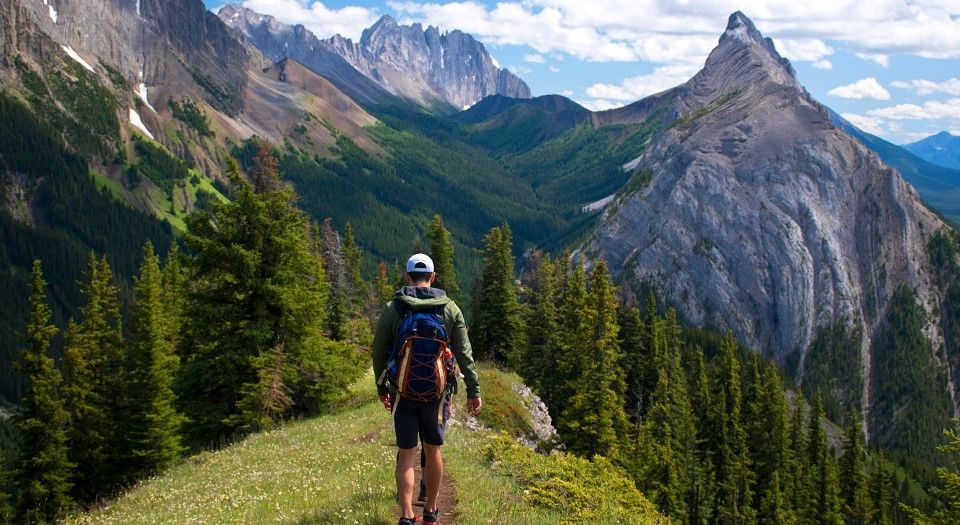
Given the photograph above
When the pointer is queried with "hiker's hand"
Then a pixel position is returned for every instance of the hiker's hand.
(385, 399)
(473, 405)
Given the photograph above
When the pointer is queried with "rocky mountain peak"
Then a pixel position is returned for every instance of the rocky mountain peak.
(756, 214)
(744, 60)
(451, 71)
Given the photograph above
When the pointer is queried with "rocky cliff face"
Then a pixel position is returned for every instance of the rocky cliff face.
(760, 216)
(433, 69)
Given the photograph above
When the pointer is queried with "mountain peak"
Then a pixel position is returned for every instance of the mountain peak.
(743, 60)
(741, 28)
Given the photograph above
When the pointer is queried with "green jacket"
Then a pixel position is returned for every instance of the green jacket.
(424, 297)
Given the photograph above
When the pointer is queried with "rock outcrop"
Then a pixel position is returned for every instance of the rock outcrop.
(752, 212)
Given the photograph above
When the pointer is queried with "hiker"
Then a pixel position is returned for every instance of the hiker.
(418, 399)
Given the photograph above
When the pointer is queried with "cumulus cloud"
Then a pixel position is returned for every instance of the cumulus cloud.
(864, 88)
(928, 87)
(348, 21)
(638, 87)
(872, 125)
(534, 58)
(932, 110)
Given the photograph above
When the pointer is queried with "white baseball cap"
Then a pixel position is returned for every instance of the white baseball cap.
(419, 262)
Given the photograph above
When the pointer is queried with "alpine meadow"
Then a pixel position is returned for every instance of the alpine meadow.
(721, 303)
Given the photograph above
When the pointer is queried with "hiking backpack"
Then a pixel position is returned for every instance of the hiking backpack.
(420, 364)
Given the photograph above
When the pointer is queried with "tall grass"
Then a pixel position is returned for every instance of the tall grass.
(339, 469)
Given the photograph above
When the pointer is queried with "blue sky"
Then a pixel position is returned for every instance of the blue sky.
(892, 67)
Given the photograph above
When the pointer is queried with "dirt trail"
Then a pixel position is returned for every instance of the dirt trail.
(445, 500)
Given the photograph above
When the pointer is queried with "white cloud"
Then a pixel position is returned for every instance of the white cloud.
(864, 88)
(872, 125)
(554, 69)
(349, 21)
(534, 58)
(635, 88)
(935, 109)
(928, 87)
(823, 64)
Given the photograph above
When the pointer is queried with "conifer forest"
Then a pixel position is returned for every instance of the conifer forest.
(258, 315)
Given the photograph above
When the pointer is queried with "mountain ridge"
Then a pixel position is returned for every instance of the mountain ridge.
(752, 212)
(407, 62)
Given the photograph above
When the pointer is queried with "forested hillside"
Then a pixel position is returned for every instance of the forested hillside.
(263, 318)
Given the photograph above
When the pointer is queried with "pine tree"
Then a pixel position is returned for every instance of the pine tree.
(880, 488)
(497, 330)
(593, 419)
(949, 490)
(574, 337)
(766, 422)
(256, 283)
(94, 387)
(42, 478)
(701, 492)
(538, 362)
(339, 303)
(441, 251)
(853, 480)
(774, 508)
(6, 511)
(729, 448)
(153, 423)
(822, 490)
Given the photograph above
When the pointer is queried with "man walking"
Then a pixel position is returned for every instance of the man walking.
(423, 418)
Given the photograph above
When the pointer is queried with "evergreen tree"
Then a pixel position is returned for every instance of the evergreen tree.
(339, 302)
(853, 480)
(766, 417)
(94, 386)
(949, 491)
(538, 362)
(255, 284)
(153, 423)
(43, 475)
(593, 419)
(729, 447)
(880, 488)
(574, 336)
(6, 511)
(701, 473)
(498, 331)
(774, 507)
(822, 490)
(441, 251)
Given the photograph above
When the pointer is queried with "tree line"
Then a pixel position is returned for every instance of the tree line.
(264, 316)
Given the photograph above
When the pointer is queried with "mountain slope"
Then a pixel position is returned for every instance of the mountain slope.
(942, 149)
(753, 212)
(938, 186)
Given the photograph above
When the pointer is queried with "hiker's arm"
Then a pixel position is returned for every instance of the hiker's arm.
(382, 339)
(462, 350)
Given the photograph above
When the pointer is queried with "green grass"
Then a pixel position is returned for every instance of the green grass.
(339, 469)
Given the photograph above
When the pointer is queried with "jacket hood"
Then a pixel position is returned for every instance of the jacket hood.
(421, 296)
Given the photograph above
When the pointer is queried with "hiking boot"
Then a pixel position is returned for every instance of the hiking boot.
(408, 521)
(423, 492)
(430, 518)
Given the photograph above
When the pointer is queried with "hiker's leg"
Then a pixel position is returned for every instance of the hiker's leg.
(404, 474)
(433, 474)
(406, 422)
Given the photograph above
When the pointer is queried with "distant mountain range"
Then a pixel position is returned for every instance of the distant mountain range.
(942, 149)
(450, 71)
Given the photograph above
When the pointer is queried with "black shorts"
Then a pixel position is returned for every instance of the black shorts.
(414, 421)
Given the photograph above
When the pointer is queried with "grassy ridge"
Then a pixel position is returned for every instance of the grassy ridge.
(339, 469)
